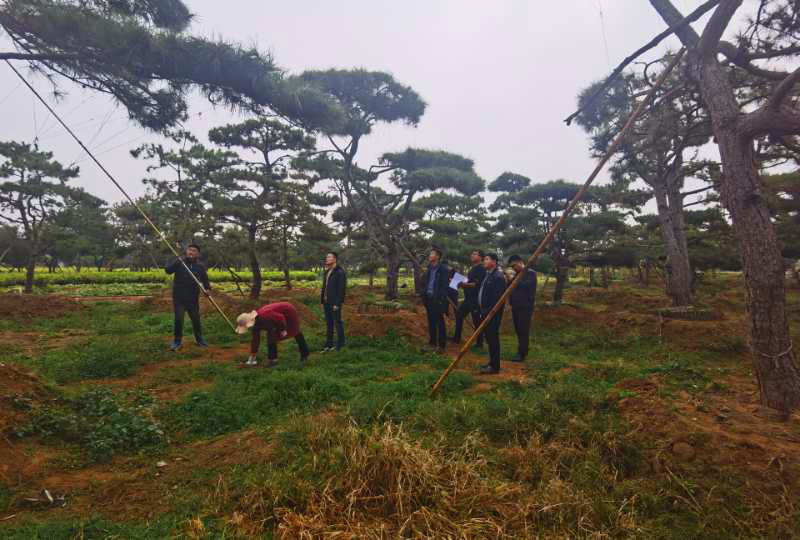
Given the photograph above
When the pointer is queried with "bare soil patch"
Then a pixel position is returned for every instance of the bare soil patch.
(32, 342)
(28, 307)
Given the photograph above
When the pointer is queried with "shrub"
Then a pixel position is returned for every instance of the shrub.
(87, 276)
(99, 421)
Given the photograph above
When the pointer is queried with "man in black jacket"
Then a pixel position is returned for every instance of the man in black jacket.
(334, 285)
(434, 284)
(492, 288)
(186, 294)
(522, 301)
(470, 305)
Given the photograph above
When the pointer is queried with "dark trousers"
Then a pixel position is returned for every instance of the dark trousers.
(194, 314)
(334, 318)
(437, 331)
(492, 335)
(522, 326)
(475, 312)
(272, 347)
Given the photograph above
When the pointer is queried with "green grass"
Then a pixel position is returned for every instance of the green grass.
(100, 422)
(97, 358)
(361, 415)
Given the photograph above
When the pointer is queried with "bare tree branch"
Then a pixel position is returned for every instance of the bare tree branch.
(680, 26)
(779, 121)
(739, 58)
(720, 19)
(783, 89)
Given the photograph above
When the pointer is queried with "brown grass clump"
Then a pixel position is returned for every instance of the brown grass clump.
(379, 482)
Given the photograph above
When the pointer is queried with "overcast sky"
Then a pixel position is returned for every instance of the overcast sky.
(498, 77)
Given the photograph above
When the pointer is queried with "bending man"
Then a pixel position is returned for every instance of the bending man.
(186, 294)
(280, 321)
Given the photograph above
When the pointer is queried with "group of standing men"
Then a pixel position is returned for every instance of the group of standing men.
(484, 286)
(483, 289)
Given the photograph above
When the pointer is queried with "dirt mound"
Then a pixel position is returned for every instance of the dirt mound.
(18, 393)
(28, 307)
(406, 323)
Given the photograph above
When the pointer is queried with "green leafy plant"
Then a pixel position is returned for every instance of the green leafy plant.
(99, 421)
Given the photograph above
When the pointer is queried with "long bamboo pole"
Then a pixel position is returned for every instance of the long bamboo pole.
(158, 232)
(554, 229)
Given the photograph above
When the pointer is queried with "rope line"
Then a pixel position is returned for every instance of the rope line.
(158, 232)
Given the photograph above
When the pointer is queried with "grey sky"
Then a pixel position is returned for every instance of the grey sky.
(498, 77)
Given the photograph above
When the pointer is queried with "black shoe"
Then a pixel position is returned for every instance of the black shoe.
(441, 350)
(518, 358)
(456, 340)
(488, 370)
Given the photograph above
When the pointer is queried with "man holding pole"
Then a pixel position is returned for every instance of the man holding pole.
(434, 284)
(334, 284)
(470, 305)
(522, 301)
(186, 294)
(491, 290)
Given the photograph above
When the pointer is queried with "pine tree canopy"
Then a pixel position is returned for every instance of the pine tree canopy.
(139, 52)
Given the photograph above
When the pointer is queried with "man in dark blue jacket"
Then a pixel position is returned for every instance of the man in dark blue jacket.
(522, 301)
(470, 305)
(186, 293)
(491, 289)
(434, 284)
(334, 285)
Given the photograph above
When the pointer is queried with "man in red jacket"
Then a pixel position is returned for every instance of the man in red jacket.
(280, 321)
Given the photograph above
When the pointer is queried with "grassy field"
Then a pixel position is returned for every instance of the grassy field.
(621, 425)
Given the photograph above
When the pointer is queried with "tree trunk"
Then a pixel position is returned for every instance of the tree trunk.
(562, 274)
(286, 274)
(392, 273)
(640, 273)
(773, 358)
(604, 274)
(30, 270)
(591, 276)
(255, 266)
(371, 278)
(671, 224)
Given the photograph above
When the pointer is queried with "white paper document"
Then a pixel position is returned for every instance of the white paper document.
(457, 278)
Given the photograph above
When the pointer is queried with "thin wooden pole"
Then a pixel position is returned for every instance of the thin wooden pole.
(554, 229)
